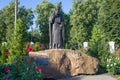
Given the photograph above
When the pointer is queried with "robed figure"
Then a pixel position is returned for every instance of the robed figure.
(56, 30)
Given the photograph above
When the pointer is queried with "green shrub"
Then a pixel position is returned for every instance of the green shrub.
(4, 53)
(16, 43)
(113, 64)
(118, 78)
(36, 46)
(98, 46)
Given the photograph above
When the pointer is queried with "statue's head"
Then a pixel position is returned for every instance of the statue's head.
(57, 10)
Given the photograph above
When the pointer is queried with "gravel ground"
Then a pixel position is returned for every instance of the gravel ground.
(91, 77)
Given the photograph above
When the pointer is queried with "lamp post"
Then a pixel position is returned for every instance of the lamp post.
(31, 43)
(16, 6)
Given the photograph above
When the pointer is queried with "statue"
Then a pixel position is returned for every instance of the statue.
(56, 30)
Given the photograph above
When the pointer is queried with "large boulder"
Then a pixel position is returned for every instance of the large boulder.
(118, 52)
(62, 62)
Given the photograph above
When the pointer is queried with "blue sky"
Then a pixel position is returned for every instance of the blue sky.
(66, 4)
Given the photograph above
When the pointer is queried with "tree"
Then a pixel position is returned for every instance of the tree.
(8, 16)
(35, 35)
(84, 16)
(109, 19)
(26, 15)
(2, 28)
(67, 27)
(15, 37)
(7, 19)
(44, 11)
(16, 42)
(98, 45)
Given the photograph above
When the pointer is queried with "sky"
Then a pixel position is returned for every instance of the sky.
(66, 4)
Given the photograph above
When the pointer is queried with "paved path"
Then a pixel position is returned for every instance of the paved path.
(91, 77)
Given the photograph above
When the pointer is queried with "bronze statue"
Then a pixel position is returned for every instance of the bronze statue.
(56, 30)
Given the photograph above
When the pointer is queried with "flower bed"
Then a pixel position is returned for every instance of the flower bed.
(20, 70)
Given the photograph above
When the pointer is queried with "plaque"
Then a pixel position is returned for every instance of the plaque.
(42, 61)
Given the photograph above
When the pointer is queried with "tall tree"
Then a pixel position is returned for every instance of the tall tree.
(109, 19)
(84, 16)
(7, 19)
(67, 27)
(26, 15)
(44, 11)
(8, 13)
(35, 35)
(98, 46)
(2, 28)
(16, 42)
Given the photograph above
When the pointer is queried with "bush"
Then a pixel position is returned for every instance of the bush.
(113, 64)
(98, 47)
(4, 53)
(118, 78)
(38, 46)
(16, 42)
(20, 70)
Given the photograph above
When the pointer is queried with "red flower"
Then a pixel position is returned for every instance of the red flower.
(7, 69)
(7, 53)
(29, 49)
(7, 77)
(39, 69)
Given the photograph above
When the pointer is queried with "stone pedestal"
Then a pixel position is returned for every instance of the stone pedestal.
(62, 63)
(112, 46)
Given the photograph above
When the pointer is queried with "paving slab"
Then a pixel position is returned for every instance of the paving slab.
(91, 77)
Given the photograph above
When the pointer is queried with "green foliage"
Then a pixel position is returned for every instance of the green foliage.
(8, 17)
(35, 35)
(98, 45)
(20, 70)
(67, 27)
(7, 21)
(84, 16)
(3, 55)
(26, 15)
(2, 28)
(113, 64)
(66, 46)
(17, 42)
(118, 78)
(36, 46)
(109, 18)
(44, 11)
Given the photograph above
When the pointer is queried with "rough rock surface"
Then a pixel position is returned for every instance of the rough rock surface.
(117, 52)
(64, 62)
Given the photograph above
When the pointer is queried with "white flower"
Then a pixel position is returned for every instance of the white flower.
(115, 63)
(111, 64)
(107, 65)
(118, 58)
(109, 59)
